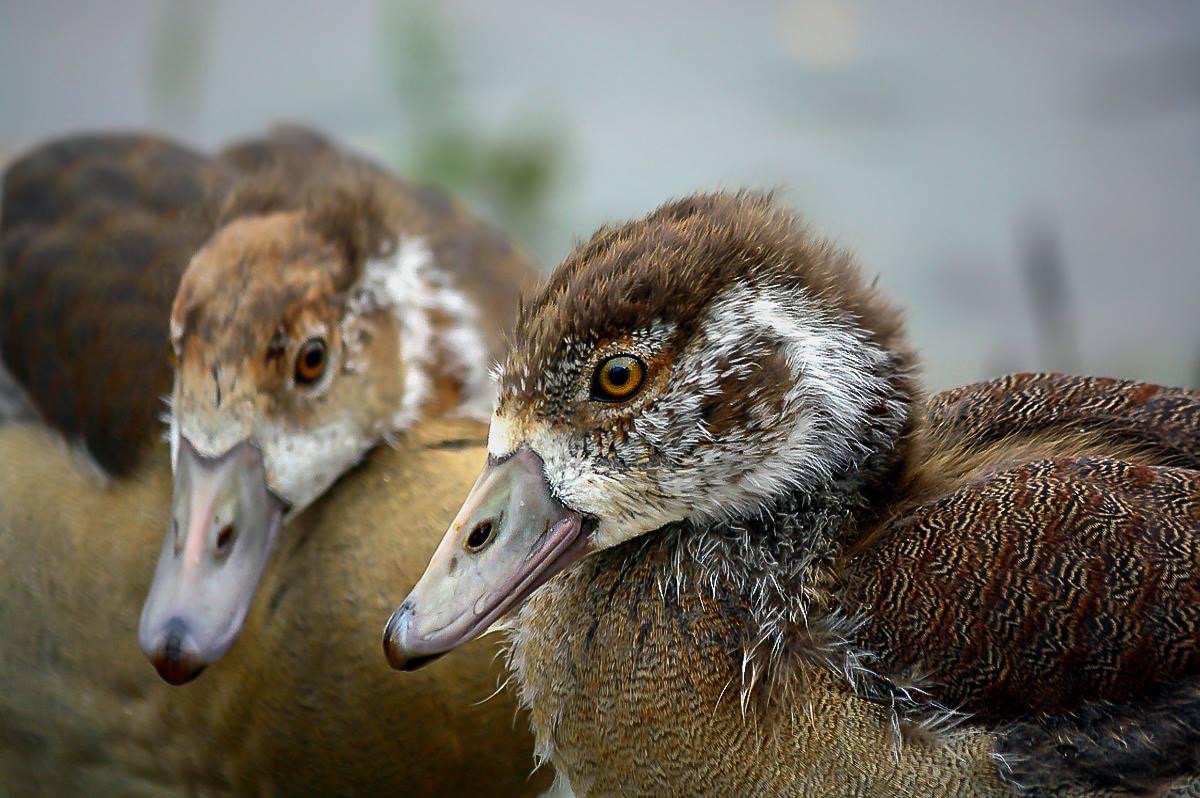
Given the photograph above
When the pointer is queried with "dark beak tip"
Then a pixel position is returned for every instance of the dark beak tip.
(416, 663)
(393, 649)
(401, 661)
(175, 660)
(178, 670)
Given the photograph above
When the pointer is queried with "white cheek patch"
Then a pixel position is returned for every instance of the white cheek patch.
(302, 464)
(624, 504)
(410, 284)
(835, 381)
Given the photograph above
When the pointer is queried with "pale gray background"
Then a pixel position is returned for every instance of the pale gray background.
(929, 137)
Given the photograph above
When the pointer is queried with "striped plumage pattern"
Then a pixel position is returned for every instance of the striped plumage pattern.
(1041, 586)
(1055, 598)
(1164, 420)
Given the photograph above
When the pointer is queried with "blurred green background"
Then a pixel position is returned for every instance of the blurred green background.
(1024, 177)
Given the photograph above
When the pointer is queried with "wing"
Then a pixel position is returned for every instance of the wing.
(1060, 590)
(1164, 421)
(95, 233)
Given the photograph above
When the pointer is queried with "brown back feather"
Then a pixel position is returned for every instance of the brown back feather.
(96, 232)
(1040, 587)
(1162, 420)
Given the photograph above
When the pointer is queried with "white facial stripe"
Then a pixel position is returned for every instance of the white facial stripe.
(463, 342)
(176, 334)
(173, 436)
(410, 284)
(835, 381)
(391, 283)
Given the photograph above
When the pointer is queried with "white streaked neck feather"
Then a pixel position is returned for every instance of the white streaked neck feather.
(409, 282)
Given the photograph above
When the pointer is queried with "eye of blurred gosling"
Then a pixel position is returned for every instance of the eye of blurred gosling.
(618, 378)
(311, 361)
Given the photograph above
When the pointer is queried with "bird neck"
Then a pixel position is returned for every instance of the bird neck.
(775, 568)
(742, 612)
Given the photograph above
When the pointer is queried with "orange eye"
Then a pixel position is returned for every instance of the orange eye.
(618, 378)
(310, 361)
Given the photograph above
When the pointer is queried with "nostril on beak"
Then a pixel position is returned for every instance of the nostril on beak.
(225, 539)
(480, 536)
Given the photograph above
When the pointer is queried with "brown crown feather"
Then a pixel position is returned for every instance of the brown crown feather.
(346, 200)
(671, 264)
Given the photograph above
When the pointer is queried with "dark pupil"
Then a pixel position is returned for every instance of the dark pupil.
(618, 375)
(479, 535)
(313, 357)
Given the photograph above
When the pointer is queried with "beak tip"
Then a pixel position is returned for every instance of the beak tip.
(177, 673)
(396, 645)
(175, 655)
(416, 663)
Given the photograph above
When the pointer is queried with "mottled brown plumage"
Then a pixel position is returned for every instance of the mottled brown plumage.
(1040, 585)
(96, 231)
(1160, 420)
(800, 576)
(1054, 577)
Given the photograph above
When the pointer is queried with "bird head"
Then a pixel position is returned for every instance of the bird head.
(303, 332)
(686, 368)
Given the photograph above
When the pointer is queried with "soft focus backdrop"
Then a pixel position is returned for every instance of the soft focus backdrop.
(1023, 176)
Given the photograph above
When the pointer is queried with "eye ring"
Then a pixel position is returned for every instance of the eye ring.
(311, 360)
(618, 379)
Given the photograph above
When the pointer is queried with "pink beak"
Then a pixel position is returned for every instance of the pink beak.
(224, 524)
(509, 538)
